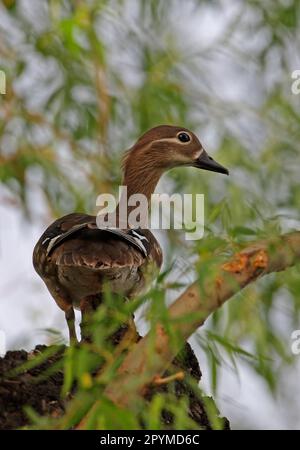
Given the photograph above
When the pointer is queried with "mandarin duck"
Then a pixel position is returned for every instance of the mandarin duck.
(74, 257)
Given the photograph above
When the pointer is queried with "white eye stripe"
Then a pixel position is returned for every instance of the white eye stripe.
(175, 140)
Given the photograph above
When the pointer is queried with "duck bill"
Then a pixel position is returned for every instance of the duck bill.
(206, 162)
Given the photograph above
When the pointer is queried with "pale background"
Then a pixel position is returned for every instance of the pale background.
(27, 310)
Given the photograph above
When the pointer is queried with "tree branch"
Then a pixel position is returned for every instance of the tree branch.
(256, 260)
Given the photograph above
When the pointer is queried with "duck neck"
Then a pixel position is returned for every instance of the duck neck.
(139, 184)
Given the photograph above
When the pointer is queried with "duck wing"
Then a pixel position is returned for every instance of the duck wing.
(76, 240)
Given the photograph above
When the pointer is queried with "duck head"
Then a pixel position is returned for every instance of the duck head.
(159, 150)
(165, 147)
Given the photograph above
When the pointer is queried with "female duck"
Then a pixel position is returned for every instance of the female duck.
(74, 257)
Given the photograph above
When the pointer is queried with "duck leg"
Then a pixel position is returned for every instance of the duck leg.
(127, 332)
(126, 335)
(70, 318)
(88, 306)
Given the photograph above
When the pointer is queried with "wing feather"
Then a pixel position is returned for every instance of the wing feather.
(97, 255)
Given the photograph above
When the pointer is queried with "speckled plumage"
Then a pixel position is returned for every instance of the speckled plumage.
(80, 263)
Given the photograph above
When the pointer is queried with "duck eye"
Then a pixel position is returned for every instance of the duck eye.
(183, 137)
